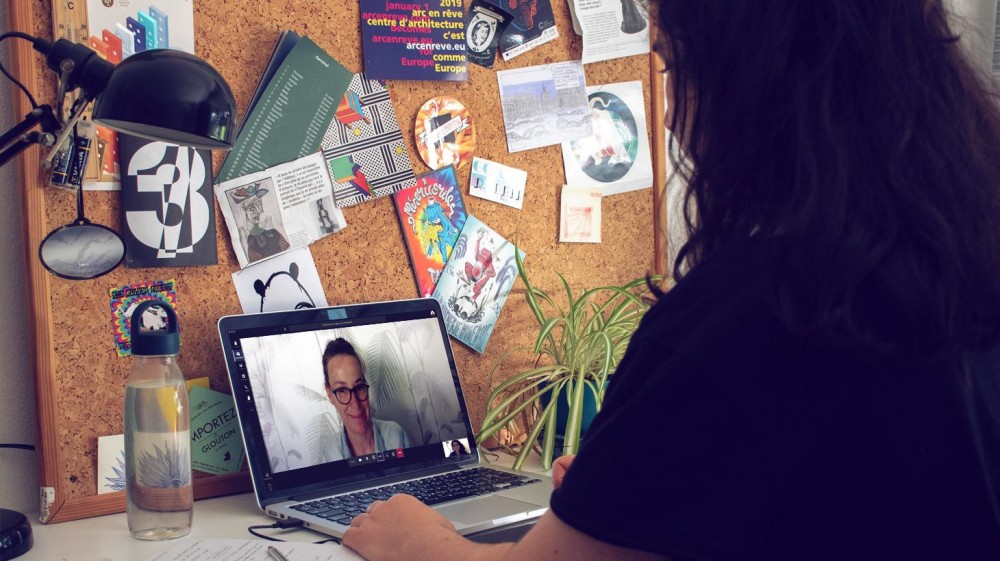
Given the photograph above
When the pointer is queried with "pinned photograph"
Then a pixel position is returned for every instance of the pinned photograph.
(615, 157)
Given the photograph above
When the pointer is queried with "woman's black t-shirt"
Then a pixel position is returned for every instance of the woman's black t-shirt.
(724, 437)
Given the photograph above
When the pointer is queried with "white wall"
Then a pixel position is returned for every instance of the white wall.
(18, 477)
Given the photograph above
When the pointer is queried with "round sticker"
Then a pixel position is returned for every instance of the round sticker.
(445, 134)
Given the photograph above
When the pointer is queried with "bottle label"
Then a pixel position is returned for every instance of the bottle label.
(161, 476)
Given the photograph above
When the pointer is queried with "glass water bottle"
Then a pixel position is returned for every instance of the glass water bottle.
(158, 485)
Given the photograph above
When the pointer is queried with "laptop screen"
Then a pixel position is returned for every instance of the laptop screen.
(336, 396)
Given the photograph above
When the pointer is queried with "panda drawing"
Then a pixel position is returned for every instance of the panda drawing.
(283, 291)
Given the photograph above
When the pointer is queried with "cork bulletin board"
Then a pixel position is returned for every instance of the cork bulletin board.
(79, 377)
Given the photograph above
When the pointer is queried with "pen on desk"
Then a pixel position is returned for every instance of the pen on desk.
(275, 554)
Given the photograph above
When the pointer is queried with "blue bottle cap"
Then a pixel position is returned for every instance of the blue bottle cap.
(154, 329)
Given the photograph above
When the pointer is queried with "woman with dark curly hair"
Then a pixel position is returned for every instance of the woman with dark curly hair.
(823, 380)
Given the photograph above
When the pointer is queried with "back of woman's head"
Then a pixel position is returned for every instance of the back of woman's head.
(854, 137)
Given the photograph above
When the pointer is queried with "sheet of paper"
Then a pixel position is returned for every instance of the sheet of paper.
(286, 282)
(498, 183)
(110, 463)
(612, 28)
(278, 209)
(615, 157)
(544, 105)
(218, 549)
(431, 215)
(580, 215)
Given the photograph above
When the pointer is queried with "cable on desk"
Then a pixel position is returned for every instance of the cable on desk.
(286, 524)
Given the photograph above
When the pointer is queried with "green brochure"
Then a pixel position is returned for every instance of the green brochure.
(292, 114)
(216, 445)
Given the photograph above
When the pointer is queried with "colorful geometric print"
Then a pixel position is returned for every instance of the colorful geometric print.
(373, 142)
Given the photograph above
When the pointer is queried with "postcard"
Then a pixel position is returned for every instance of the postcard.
(286, 282)
(169, 218)
(124, 300)
(533, 26)
(431, 215)
(497, 182)
(475, 283)
(281, 208)
(414, 41)
(615, 157)
(580, 215)
(363, 146)
(216, 445)
(544, 105)
(612, 28)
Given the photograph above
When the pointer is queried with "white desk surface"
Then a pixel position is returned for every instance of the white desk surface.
(106, 538)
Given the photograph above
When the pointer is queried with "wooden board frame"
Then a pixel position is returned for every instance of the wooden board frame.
(54, 463)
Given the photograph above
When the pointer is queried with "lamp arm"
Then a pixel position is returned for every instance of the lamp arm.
(14, 141)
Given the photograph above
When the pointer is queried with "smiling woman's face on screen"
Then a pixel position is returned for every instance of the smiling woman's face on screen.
(344, 372)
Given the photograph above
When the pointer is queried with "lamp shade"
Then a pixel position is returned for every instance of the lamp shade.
(169, 95)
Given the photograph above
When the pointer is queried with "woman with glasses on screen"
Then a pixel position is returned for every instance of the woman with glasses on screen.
(347, 390)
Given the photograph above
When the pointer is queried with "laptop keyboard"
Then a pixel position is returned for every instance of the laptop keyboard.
(439, 489)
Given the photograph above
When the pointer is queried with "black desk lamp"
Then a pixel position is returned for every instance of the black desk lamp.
(160, 94)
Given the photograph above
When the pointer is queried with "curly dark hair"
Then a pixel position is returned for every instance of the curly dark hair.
(857, 141)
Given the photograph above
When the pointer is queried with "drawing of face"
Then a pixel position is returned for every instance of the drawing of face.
(480, 34)
(253, 208)
(344, 371)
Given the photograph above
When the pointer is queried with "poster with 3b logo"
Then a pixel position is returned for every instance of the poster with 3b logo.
(168, 216)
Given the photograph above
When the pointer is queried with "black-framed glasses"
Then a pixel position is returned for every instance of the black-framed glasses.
(343, 395)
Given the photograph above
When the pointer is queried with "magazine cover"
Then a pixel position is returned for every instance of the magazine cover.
(431, 215)
(364, 147)
(475, 283)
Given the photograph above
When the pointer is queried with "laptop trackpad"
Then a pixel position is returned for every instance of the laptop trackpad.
(484, 509)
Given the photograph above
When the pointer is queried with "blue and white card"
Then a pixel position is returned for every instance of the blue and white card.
(498, 183)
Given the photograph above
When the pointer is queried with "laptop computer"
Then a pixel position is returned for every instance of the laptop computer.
(300, 452)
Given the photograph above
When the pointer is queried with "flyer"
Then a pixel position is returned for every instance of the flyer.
(414, 41)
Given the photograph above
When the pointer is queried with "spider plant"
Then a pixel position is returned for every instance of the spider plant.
(579, 345)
